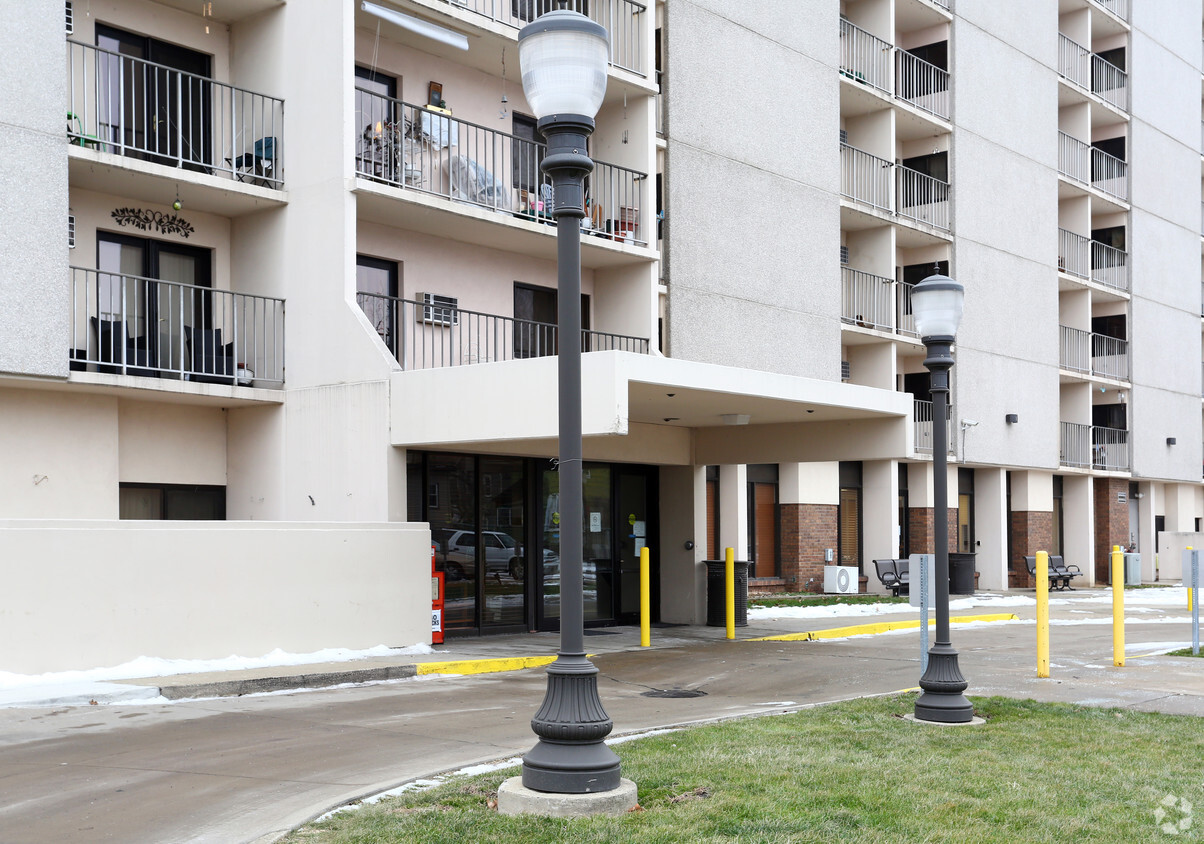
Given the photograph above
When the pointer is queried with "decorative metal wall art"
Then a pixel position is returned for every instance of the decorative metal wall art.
(146, 219)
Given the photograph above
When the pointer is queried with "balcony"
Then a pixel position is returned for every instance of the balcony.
(924, 437)
(865, 58)
(1092, 73)
(420, 149)
(427, 336)
(922, 198)
(924, 85)
(1094, 167)
(1091, 354)
(1091, 260)
(1120, 8)
(142, 110)
(866, 178)
(869, 60)
(877, 302)
(1094, 447)
(620, 17)
(130, 325)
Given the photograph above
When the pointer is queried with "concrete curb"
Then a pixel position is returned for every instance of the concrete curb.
(287, 682)
(235, 688)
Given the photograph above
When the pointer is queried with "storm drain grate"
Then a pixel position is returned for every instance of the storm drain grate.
(673, 693)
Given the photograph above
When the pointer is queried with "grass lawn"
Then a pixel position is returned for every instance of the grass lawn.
(1186, 652)
(808, 599)
(851, 772)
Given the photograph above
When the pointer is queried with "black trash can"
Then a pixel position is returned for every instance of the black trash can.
(716, 597)
(961, 574)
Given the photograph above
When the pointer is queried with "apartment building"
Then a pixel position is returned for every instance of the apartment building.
(282, 299)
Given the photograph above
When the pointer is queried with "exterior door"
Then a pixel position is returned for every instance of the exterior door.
(151, 317)
(634, 532)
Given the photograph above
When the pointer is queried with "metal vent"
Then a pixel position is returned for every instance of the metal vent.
(844, 255)
(70, 18)
(844, 370)
(439, 310)
(70, 217)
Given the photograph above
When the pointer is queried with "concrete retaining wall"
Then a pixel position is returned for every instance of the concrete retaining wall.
(85, 594)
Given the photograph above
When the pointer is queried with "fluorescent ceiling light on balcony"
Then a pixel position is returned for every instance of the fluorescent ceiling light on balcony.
(418, 25)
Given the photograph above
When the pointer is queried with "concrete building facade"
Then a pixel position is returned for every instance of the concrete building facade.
(291, 263)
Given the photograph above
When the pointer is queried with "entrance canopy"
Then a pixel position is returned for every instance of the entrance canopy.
(643, 408)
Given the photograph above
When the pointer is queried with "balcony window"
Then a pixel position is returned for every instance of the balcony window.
(376, 285)
(172, 502)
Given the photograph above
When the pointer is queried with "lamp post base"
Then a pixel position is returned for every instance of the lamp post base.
(570, 757)
(941, 699)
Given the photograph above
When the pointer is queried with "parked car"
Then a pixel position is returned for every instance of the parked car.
(458, 548)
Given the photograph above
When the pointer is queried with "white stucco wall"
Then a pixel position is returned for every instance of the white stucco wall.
(33, 243)
(205, 590)
(753, 222)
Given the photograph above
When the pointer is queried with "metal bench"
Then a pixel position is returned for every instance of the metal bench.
(894, 575)
(1060, 574)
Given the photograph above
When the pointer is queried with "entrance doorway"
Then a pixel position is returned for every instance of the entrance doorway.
(495, 528)
(619, 519)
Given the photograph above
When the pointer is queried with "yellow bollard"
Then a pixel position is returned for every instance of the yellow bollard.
(1118, 607)
(1042, 614)
(645, 600)
(1190, 596)
(729, 590)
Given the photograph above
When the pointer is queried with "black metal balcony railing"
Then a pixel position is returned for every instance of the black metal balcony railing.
(417, 148)
(423, 335)
(620, 17)
(136, 108)
(131, 325)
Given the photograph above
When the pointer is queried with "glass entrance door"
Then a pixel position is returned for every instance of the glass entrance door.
(633, 532)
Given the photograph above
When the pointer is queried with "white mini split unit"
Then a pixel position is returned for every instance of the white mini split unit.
(841, 580)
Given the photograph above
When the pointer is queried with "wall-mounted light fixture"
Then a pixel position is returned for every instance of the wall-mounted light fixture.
(1012, 418)
(1171, 441)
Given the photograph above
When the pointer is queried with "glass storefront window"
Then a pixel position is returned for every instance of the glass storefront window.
(503, 520)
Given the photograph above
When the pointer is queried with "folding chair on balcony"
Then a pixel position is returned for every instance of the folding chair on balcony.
(257, 167)
(75, 133)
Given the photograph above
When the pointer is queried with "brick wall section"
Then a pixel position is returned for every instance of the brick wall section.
(920, 530)
(806, 530)
(1111, 524)
(1032, 531)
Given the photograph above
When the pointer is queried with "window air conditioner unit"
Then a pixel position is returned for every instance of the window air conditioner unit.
(439, 310)
(844, 371)
(70, 18)
(844, 255)
(841, 580)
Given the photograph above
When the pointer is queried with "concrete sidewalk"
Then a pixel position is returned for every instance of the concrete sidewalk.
(250, 768)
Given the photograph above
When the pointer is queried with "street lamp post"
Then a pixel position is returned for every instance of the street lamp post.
(936, 304)
(563, 57)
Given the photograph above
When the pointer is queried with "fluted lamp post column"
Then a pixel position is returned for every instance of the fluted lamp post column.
(563, 57)
(936, 304)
